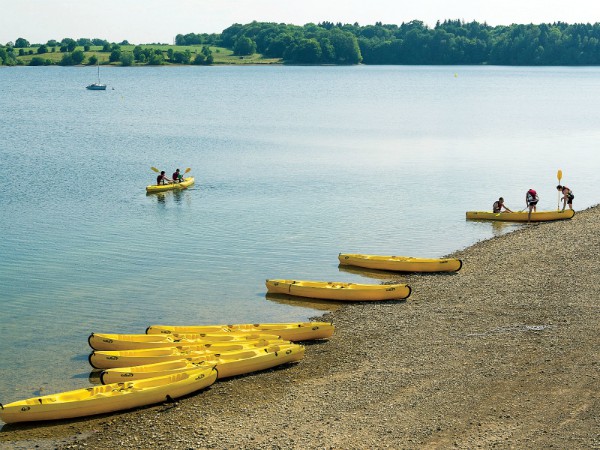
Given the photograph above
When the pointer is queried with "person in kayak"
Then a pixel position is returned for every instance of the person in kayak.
(567, 196)
(162, 179)
(531, 199)
(177, 177)
(498, 205)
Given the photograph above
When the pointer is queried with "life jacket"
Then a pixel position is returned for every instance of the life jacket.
(570, 194)
(496, 207)
(532, 195)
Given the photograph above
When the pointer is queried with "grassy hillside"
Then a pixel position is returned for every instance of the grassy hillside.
(221, 55)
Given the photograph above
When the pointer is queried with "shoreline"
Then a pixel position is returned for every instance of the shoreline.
(504, 353)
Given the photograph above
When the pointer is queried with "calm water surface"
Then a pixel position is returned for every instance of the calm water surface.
(293, 165)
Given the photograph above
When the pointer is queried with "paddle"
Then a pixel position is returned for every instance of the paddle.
(155, 169)
(559, 176)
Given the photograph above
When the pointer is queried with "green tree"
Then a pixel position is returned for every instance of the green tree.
(37, 61)
(93, 60)
(42, 49)
(126, 59)
(115, 56)
(345, 46)
(67, 60)
(156, 59)
(71, 44)
(244, 46)
(307, 51)
(182, 57)
(21, 43)
(78, 56)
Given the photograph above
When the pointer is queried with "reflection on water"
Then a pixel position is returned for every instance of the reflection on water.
(500, 228)
(176, 195)
(312, 303)
(369, 273)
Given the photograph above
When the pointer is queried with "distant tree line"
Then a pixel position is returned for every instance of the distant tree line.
(448, 42)
(73, 54)
(308, 44)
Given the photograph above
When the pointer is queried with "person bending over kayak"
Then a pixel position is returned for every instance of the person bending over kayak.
(567, 196)
(498, 205)
(162, 178)
(177, 177)
(531, 199)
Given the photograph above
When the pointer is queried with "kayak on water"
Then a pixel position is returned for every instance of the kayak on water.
(187, 182)
(521, 216)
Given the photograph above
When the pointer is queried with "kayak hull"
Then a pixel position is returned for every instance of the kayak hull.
(105, 359)
(105, 341)
(521, 216)
(294, 331)
(108, 398)
(186, 183)
(400, 263)
(329, 290)
(227, 364)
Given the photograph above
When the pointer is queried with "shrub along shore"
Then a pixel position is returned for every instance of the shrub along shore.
(504, 354)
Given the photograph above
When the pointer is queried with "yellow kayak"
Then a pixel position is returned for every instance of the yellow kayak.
(521, 216)
(294, 331)
(401, 263)
(104, 341)
(228, 364)
(187, 182)
(109, 398)
(105, 359)
(330, 290)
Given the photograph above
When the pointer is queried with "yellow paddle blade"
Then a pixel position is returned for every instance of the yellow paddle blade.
(187, 170)
(559, 175)
(155, 169)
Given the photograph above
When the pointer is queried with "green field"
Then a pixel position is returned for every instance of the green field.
(221, 55)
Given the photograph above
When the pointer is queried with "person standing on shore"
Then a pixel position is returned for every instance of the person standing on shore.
(567, 196)
(498, 205)
(531, 199)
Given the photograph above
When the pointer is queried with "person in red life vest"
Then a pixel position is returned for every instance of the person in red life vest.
(162, 178)
(498, 205)
(567, 196)
(531, 199)
(177, 177)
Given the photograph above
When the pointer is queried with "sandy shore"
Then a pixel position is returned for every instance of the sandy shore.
(503, 354)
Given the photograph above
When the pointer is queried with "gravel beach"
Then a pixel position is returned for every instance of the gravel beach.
(503, 354)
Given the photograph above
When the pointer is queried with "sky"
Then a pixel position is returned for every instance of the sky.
(153, 21)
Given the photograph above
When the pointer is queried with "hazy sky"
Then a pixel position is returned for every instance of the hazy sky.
(148, 21)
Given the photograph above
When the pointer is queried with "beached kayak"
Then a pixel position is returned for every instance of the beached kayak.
(105, 341)
(104, 359)
(187, 182)
(109, 398)
(293, 331)
(330, 290)
(228, 364)
(521, 216)
(401, 263)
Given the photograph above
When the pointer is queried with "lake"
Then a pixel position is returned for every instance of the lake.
(292, 164)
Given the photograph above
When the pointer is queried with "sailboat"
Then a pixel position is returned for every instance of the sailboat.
(97, 86)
